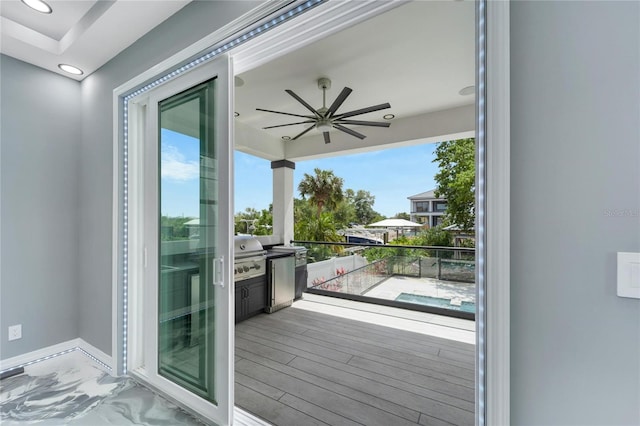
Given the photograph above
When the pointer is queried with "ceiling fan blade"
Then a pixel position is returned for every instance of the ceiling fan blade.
(299, 99)
(303, 132)
(347, 130)
(327, 139)
(362, 123)
(364, 110)
(290, 124)
(285, 113)
(339, 100)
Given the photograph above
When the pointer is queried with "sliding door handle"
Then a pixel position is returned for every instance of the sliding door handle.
(217, 271)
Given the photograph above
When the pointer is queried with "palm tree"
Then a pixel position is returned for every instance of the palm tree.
(324, 189)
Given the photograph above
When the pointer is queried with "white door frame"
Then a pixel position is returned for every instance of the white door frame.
(493, 104)
(493, 328)
(142, 360)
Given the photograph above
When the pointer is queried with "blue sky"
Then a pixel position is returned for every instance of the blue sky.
(390, 175)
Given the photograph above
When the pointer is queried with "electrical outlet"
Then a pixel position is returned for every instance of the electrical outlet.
(15, 332)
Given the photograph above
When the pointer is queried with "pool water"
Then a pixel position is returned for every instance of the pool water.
(437, 302)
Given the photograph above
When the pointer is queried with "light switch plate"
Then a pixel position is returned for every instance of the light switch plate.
(629, 275)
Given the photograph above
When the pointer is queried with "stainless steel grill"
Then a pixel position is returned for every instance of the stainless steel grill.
(249, 259)
(299, 252)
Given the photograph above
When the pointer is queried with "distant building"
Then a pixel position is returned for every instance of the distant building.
(426, 208)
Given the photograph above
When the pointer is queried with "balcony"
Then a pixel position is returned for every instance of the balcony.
(430, 279)
(326, 360)
(368, 343)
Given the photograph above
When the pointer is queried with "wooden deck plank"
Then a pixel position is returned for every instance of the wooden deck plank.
(431, 348)
(334, 388)
(426, 420)
(409, 374)
(297, 342)
(308, 391)
(301, 319)
(323, 342)
(271, 410)
(457, 356)
(267, 352)
(416, 383)
(442, 406)
(345, 329)
(258, 386)
(380, 328)
(317, 412)
(338, 357)
(298, 367)
(407, 356)
(421, 384)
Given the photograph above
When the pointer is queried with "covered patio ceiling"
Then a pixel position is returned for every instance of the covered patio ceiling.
(417, 56)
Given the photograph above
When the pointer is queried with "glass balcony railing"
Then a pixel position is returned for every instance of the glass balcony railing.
(430, 279)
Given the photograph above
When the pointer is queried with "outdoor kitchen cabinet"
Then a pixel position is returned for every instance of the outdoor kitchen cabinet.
(250, 297)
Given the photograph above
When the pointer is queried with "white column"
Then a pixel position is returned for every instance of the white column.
(283, 199)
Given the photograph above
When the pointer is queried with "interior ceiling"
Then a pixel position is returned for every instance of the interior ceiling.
(417, 57)
(82, 33)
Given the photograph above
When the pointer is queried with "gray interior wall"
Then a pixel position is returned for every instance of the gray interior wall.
(39, 218)
(189, 25)
(575, 132)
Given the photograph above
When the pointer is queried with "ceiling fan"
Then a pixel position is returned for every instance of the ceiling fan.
(324, 119)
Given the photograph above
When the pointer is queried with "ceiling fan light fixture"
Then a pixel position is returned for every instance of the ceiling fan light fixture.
(388, 116)
(324, 126)
(38, 5)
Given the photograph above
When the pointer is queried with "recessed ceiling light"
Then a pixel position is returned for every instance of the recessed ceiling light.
(388, 117)
(469, 90)
(238, 81)
(38, 5)
(236, 114)
(70, 69)
(286, 138)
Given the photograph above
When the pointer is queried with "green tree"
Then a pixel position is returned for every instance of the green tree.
(343, 214)
(324, 189)
(311, 228)
(174, 228)
(362, 202)
(456, 181)
(437, 237)
(402, 215)
(252, 221)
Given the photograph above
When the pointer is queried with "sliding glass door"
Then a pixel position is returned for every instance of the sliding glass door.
(188, 326)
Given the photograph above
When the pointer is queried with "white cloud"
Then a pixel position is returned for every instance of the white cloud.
(176, 167)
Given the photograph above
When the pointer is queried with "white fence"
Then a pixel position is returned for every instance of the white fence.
(325, 270)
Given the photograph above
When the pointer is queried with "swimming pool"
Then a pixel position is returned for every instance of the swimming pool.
(437, 302)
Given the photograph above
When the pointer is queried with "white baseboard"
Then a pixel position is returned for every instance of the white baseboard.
(101, 359)
(97, 355)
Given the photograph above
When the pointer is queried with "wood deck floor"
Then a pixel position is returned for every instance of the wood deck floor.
(298, 367)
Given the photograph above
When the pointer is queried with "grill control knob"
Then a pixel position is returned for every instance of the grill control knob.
(246, 268)
(256, 266)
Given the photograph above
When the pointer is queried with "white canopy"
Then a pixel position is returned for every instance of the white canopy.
(395, 223)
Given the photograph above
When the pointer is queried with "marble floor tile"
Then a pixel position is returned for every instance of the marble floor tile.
(71, 390)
